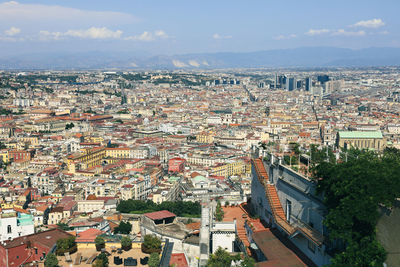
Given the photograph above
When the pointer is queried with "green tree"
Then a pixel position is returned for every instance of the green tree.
(126, 243)
(98, 263)
(103, 259)
(63, 226)
(219, 212)
(99, 242)
(65, 245)
(248, 262)
(2, 146)
(154, 260)
(151, 244)
(220, 258)
(123, 228)
(51, 260)
(353, 191)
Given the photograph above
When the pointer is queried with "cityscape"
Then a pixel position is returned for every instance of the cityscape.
(193, 154)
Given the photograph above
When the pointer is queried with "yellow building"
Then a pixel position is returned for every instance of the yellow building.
(230, 169)
(96, 139)
(118, 152)
(4, 155)
(33, 141)
(361, 140)
(205, 138)
(89, 158)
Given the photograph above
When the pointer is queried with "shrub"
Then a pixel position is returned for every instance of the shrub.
(100, 243)
(51, 260)
(151, 244)
(154, 259)
(126, 243)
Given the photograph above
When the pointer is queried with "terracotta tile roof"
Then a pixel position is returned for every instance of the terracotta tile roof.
(178, 260)
(193, 226)
(89, 235)
(159, 215)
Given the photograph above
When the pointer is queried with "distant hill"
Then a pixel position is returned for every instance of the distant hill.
(299, 57)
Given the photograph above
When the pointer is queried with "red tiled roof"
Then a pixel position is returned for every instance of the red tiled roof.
(159, 215)
(89, 235)
(178, 260)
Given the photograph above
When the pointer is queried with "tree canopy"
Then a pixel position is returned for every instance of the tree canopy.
(180, 208)
(154, 259)
(221, 258)
(353, 191)
(51, 260)
(219, 212)
(123, 228)
(126, 242)
(65, 245)
(151, 244)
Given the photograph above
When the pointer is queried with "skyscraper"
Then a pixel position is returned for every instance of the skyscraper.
(291, 85)
(308, 84)
(323, 78)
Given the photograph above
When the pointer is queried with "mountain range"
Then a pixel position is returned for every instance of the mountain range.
(307, 57)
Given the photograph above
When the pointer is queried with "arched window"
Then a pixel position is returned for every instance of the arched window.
(9, 229)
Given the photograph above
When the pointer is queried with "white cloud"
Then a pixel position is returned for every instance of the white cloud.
(161, 34)
(91, 33)
(284, 37)
(95, 33)
(349, 33)
(178, 64)
(313, 32)
(194, 63)
(205, 63)
(46, 35)
(12, 31)
(148, 36)
(372, 23)
(54, 15)
(217, 36)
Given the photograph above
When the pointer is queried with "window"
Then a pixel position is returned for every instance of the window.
(36, 251)
(9, 229)
(311, 246)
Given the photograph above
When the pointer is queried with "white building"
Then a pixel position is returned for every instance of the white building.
(286, 200)
(15, 224)
(223, 235)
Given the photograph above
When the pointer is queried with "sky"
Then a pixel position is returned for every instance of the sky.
(161, 27)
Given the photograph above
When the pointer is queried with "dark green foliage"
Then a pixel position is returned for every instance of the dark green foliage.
(63, 226)
(69, 126)
(222, 258)
(85, 92)
(2, 146)
(154, 260)
(151, 244)
(123, 228)
(123, 111)
(180, 208)
(51, 260)
(126, 243)
(219, 212)
(103, 258)
(319, 155)
(4, 111)
(98, 263)
(99, 242)
(66, 245)
(353, 191)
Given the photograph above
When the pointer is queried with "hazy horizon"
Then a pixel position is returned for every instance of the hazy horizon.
(186, 27)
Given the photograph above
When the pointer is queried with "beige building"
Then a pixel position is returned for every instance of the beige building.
(361, 140)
